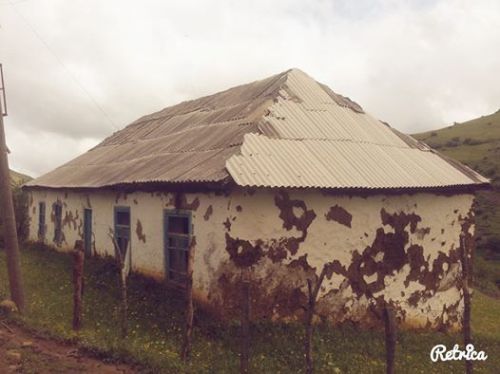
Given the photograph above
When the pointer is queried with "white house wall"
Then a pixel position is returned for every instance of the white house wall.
(401, 249)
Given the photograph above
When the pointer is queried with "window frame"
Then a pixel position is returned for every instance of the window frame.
(122, 209)
(167, 213)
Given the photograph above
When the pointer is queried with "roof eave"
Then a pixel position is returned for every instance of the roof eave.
(228, 184)
(185, 186)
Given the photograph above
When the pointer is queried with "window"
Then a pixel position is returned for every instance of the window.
(122, 227)
(58, 222)
(177, 226)
(41, 220)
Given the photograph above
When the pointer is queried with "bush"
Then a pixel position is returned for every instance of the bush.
(491, 171)
(490, 249)
(486, 275)
(470, 141)
(21, 211)
(21, 204)
(454, 142)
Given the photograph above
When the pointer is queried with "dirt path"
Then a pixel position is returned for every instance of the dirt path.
(23, 352)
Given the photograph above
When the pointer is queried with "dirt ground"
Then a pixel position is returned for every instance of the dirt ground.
(24, 352)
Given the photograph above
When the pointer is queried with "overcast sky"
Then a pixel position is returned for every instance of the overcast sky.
(76, 71)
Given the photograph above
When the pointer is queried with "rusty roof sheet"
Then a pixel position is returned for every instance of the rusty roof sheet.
(284, 131)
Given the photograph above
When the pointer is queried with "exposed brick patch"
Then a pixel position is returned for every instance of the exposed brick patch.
(139, 231)
(340, 215)
(208, 213)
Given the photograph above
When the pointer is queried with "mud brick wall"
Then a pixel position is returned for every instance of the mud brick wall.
(402, 249)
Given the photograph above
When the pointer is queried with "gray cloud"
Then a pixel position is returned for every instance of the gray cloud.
(415, 64)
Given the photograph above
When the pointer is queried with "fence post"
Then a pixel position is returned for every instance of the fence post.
(311, 305)
(245, 323)
(188, 333)
(78, 259)
(390, 338)
(123, 260)
(464, 255)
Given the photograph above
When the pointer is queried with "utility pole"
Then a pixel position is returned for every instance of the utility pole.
(9, 218)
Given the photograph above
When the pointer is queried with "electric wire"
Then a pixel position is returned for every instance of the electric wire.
(63, 66)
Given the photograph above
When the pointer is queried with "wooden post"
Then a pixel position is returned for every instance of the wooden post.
(123, 263)
(9, 220)
(123, 284)
(78, 258)
(312, 295)
(309, 329)
(464, 255)
(245, 324)
(390, 338)
(188, 332)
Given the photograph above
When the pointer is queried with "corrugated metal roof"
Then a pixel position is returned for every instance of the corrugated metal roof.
(283, 131)
(317, 138)
(188, 142)
(171, 167)
(326, 163)
(304, 110)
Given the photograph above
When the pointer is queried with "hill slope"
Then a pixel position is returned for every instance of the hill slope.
(476, 143)
(18, 178)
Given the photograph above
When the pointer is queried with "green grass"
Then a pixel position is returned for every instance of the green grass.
(476, 143)
(480, 130)
(156, 328)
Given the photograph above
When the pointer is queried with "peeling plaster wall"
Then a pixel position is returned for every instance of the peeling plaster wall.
(401, 249)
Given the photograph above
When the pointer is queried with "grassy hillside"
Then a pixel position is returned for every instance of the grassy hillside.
(18, 178)
(476, 143)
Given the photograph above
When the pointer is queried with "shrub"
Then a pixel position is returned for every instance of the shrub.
(490, 248)
(486, 275)
(21, 211)
(491, 171)
(454, 142)
(470, 141)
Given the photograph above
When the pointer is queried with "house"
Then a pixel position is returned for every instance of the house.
(273, 180)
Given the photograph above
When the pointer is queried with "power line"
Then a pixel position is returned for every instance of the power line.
(60, 62)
